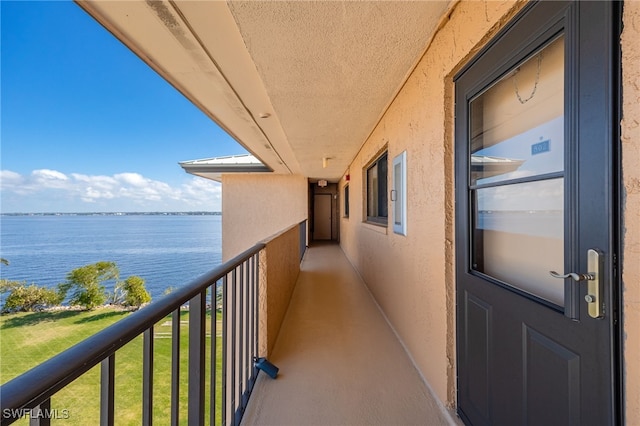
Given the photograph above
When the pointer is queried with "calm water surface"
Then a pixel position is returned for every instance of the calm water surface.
(167, 251)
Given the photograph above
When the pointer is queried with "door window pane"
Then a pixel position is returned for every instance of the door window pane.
(517, 175)
(517, 126)
(534, 152)
(519, 235)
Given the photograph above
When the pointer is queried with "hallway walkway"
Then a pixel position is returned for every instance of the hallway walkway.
(340, 362)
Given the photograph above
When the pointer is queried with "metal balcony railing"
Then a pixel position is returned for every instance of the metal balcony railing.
(30, 394)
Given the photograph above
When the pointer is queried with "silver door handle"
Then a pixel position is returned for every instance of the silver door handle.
(573, 275)
(595, 294)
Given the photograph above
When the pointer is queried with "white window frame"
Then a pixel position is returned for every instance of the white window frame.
(399, 193)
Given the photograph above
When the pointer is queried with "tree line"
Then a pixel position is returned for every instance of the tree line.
(84, 286)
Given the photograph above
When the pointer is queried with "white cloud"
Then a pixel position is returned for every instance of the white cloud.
(10, 180)
(102, 182)
(133, 179)
(51, 190)
(45, 175)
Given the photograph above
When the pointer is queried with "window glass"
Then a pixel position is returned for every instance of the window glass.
(377, 209)
(346, 201)
(518, 233)
(517, 126)
(517, 176)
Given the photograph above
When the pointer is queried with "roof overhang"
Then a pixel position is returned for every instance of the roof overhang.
(213, 168)
(294, 82)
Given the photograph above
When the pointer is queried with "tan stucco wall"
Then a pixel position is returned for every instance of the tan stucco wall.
(412, 281)
(631, 207)
(256, 206)
(279, 269)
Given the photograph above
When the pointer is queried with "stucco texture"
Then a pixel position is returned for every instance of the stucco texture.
(279, 269)
(630, 127)
(256, 206)
(412, 281)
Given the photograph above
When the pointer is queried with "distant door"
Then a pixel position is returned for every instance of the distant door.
(322, 217)
(535, 192)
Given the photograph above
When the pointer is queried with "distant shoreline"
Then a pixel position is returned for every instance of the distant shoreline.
(197, 213)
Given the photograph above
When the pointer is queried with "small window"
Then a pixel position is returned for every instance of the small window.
(399, 194)
(346, 201)
(377, 191)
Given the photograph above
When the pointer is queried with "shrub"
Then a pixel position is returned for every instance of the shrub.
(86, 284)
(135, 292)
(23, 297)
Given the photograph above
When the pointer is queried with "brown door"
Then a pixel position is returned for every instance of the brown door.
(535, 192)
(322, 217)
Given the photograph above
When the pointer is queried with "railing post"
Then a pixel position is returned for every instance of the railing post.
(214, 359)
(175, 367)
(234, 348)
(241, 332)
(246, 362)
(256, 311)
(107, 390)
(41, 415)
(225, 347)
(147, 377)
(197, 313)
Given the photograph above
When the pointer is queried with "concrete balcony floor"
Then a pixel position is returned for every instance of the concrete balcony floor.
(340, 362)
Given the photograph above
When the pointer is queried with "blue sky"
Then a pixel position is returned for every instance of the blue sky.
(87, 126)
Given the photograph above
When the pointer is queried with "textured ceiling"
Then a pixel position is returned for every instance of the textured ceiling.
(324, 71)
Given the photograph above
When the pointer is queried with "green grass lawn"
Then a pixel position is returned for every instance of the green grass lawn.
(27, 339)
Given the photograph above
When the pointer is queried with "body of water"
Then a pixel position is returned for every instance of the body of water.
(165, 250)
